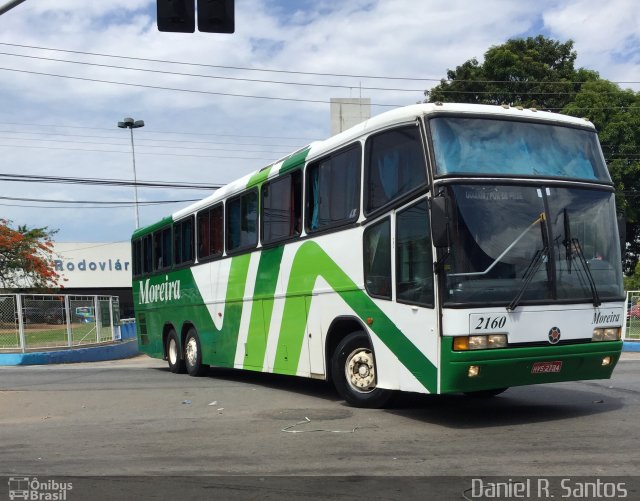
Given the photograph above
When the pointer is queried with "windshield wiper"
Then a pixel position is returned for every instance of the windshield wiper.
(534, 264)
(567, 240)
(532, 269)
(575, 244)
(571, 245)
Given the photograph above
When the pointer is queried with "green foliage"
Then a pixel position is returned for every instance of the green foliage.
(26, 257)
(533, 72)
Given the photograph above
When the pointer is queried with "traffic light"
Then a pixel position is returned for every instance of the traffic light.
(214, 16)
(176, 16)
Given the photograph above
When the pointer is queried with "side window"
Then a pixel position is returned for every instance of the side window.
(377, 259)
(394, 166)
(242, 222)
(333, 187)
(162, 249)
(210, 233)
(137, 257)
(414, 260)
(183, 241)
(147, 255)
(282, 208)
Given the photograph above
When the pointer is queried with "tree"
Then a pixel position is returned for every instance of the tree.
(533, 72)
(616, 114)
(26, 257)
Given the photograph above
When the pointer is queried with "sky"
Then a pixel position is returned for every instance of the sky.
(218, 106)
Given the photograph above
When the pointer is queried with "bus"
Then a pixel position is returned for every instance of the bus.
(435, 248)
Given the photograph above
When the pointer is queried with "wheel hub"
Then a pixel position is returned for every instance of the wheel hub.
(360, 370)
(192, 352)
(173, 352)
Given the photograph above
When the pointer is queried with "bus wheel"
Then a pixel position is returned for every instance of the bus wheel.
(176, 364)
(486, 393)
(353, 369)
(193, 354)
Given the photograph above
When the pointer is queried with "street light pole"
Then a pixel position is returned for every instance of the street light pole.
(129, 123)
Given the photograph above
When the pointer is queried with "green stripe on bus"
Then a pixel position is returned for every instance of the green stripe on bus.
(262, 307)
(310, 263)
(259, 177)
(294, 160)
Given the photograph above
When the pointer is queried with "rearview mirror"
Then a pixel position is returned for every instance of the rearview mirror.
(440, 221)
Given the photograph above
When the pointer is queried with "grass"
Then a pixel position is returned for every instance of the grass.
(49, 336)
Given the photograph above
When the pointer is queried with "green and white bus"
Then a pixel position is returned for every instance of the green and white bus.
(435, 248)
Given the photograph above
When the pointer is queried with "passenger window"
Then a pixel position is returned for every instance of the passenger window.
(183, 241)
(137, 257)
(414, 259)
(395, 166)
(147, 255)
(282, 208)
(333, 187)
(162, 249)
(377, 259)
(242, 222)
(210, 233)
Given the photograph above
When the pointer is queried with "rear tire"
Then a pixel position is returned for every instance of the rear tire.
(193, 354)
(354, 374)
(176, 363)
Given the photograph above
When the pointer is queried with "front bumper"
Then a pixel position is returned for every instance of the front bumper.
(502, 368)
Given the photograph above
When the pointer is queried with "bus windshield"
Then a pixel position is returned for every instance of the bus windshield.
(537, 244)
(500, 147)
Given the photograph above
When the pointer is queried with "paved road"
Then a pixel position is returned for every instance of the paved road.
(133, 417)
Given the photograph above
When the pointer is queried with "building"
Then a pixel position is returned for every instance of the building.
(347, 112)
(96, 269)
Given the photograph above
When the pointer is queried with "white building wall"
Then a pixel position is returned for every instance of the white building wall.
(93, 265)
(347, 112)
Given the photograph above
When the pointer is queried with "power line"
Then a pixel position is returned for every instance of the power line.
(218, 66)
(177, 89)
(141, 140)
(214, 77)
(292, 72)
(211, 134)
(99, 202)
(30, 178)
(129, 153)
(155, 146)
(73, 207)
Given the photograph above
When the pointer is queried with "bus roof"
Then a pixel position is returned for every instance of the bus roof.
(395, 116)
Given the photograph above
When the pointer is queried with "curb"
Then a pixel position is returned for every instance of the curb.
(118, 350)
(631, 346)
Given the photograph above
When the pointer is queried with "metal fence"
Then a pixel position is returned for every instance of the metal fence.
(38, 321)
(632, 314)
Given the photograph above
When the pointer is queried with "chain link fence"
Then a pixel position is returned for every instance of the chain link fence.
(632, 311)
(39, 321)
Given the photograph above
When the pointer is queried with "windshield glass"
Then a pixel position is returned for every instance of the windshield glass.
(502, 236)
(499, 147)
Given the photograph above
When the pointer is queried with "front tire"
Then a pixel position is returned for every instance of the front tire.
(193, 354)
(176, 363)
(354, 374)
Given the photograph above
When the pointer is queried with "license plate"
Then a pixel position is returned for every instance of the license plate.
(546, 367)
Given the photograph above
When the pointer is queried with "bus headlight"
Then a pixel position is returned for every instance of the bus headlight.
(477, 342)
(609, 334)
(497, 341)
(464, 343)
